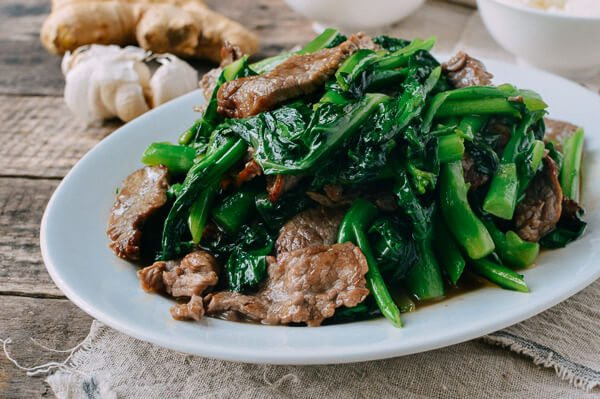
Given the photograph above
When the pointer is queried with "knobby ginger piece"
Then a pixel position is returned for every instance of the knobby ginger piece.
(186, 28)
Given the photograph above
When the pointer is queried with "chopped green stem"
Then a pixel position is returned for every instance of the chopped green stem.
(501, 198)
(498, 274)
(448, 252)
(200, 210)
(235, 210)
(177, 158)
(535, 164)
(470, 125)
(353, 229)
(483, 106)
(571, 170)
(424, 280)
(381, 79)
(465, 226)
(450, 148)
(513, 251)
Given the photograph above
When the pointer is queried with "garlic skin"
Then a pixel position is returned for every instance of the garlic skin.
(104, 82)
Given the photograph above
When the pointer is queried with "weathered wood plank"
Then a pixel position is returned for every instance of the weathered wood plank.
(40, 137)
(55, 323)
(22, 203)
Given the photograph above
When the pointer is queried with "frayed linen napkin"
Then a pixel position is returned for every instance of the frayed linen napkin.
(565, 338)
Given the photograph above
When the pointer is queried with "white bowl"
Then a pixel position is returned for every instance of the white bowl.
(565, 44)
(353, 15)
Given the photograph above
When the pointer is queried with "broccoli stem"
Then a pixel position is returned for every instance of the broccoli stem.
(200, 210)
(570, 173)
(177, 158)
(424, 280)
(484, 106)
(513, 251)
(447, 251)
(501, 275)
(470, 125)
(465, 226)
(535, 163)
(501, 199)
(235, 210)
(450, 148)
(204, 173)
(353, 229)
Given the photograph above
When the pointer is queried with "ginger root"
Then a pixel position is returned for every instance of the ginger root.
(186, 28)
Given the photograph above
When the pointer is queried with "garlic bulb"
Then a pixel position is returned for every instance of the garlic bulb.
(109, 81)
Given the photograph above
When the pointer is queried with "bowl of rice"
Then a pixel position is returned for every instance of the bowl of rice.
(562, 36)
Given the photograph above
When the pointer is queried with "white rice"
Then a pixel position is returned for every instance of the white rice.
(582, 8)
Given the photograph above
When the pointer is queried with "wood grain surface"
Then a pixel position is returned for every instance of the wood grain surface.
(40, 141)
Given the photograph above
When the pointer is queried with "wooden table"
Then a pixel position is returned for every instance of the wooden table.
(40, 141)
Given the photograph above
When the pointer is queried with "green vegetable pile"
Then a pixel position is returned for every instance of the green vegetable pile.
(389, 121)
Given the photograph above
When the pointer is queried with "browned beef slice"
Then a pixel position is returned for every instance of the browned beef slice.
(189, 277)
(198, 271)
(541, 208)
(558, 131)
(229, 53)
(143, 193)
(193, 310)
(464, 70)
(316, 226)
(306, 285)
(296, 76)
(277, 185)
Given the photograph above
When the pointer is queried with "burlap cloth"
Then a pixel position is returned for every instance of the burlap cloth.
(558, 355)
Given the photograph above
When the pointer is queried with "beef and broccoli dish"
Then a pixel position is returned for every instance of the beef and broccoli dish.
(354, 178)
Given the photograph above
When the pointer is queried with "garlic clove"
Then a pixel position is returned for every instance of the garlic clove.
(129, 101)
(172, 79)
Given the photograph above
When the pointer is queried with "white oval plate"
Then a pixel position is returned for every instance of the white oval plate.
(74, 247)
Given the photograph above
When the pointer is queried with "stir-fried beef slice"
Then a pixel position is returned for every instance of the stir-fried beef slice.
(304, 286)
(193, 310)
(277, 185)
(189, 277)
(316, 226)
(296, 76)
(464, 70)
(142, 194)
(558, 131)
(198, 271)
(229, 54)
(540, 210)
